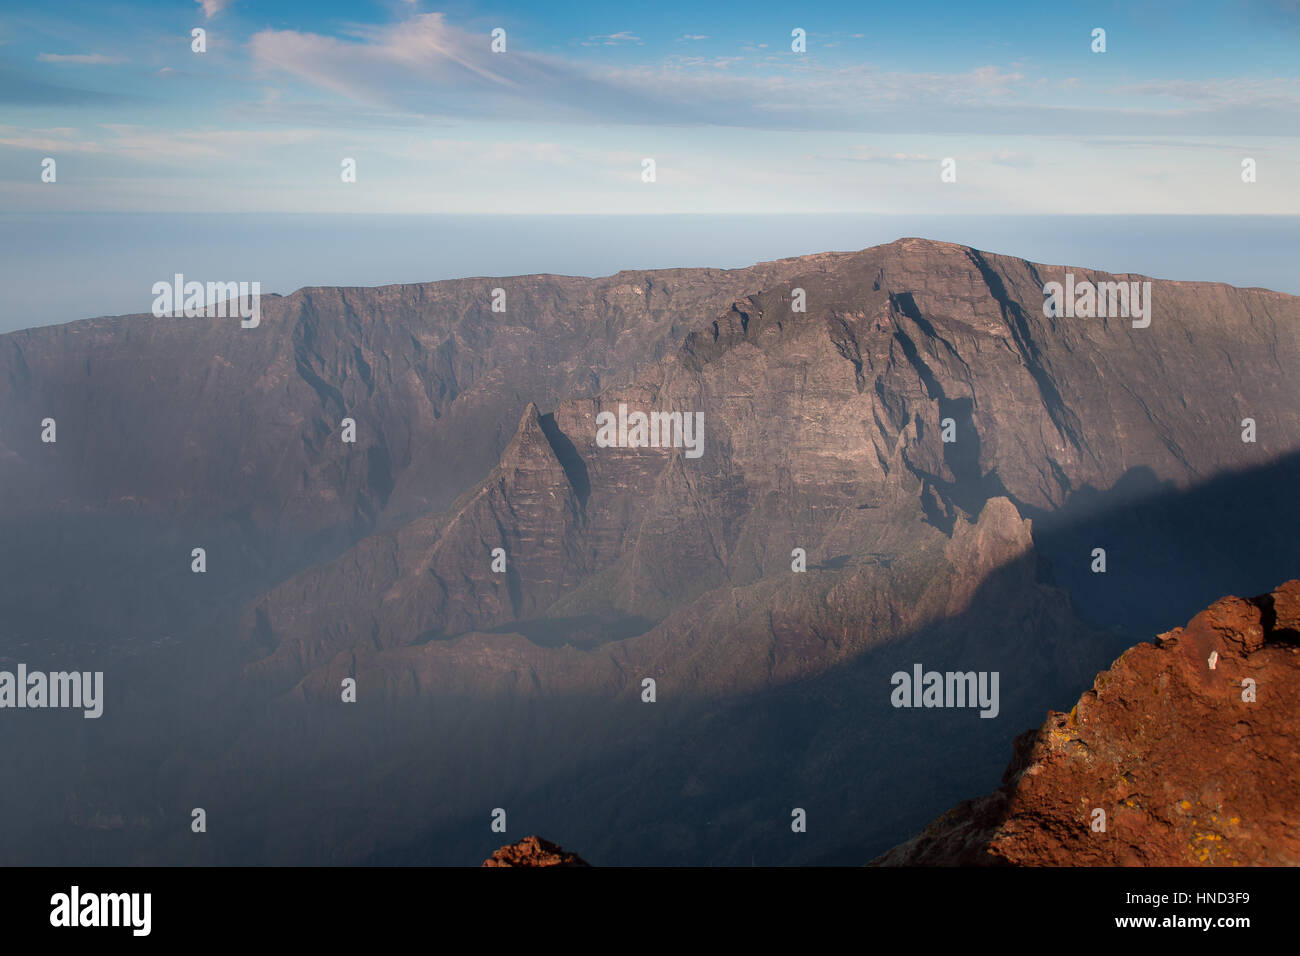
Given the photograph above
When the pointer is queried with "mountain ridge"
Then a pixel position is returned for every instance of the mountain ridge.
(823, 432)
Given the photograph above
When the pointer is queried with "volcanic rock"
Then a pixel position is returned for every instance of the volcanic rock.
(1186, 746)
(534, 851)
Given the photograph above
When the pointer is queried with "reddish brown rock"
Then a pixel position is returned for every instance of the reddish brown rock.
(534, 851)
(1188, 769)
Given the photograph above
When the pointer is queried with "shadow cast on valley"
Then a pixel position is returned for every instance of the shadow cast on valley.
(686, 780)
(720, 788)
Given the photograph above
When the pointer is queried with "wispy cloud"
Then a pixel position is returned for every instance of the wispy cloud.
(884, 157)
(381, 64)
(1165, 145)
(212, 7)
(1229, 93)
(426, 66)
(621, 38)
(54, 139)
(137, 142)
(864, 154)
(188, 145)
(423, 66)
(94, 59)
(516, 153)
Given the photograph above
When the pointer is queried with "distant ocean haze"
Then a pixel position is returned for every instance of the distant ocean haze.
(63, 267)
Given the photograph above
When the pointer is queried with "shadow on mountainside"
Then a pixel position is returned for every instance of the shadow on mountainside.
(1170, 553)
(719, 788)
(686, 780)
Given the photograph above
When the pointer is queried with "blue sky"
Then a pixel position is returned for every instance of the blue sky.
(735, 121)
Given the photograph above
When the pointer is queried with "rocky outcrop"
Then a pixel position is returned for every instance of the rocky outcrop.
(534, 851)
(1184, 752)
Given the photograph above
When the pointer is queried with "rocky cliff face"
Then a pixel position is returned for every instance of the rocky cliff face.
(916, 468)
(181, 432)
(824, 430)
(1184, 752)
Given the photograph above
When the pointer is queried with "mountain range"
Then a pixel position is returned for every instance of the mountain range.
(905, 461)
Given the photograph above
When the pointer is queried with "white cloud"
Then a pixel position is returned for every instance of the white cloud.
(212, 7)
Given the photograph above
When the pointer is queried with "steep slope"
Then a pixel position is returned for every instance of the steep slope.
(177, 433)
(824, 430)
(1187, 747)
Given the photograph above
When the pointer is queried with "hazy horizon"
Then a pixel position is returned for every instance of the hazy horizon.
(115, 258)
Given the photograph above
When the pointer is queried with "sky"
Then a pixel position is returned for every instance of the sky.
(736, 121)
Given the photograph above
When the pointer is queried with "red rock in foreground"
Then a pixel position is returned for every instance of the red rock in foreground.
(534, 851)
(1188, 768)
